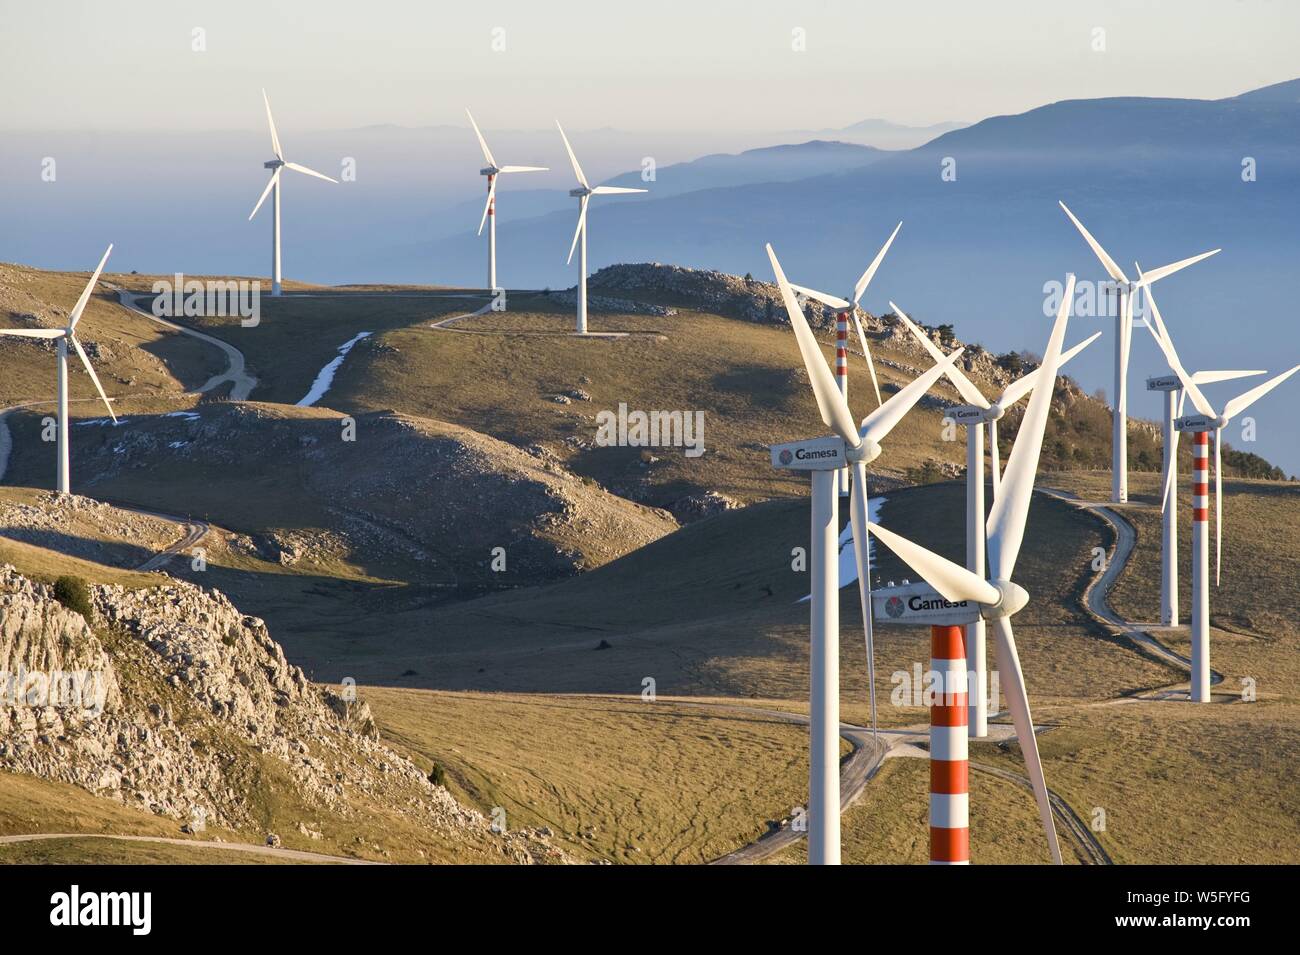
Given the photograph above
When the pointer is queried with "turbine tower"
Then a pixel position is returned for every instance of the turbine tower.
(277, 166)
(1200, 425)
(1125, 292)
(845, 308)
(492, 170)
(973, 415)
(64, 336)
(583, 194)
(1174, 398)
(966, 596)
(824, 457)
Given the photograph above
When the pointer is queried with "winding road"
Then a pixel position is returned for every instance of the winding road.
(1096, 597)
(241, 382)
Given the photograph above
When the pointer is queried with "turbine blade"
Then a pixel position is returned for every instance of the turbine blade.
(34, 332)
(275, 177)
(965, 387)
(615, 190)
(830, 403)
(1006, 523)
(877, 425)
(867, 276)
(1173, 454)
(311, 172)
(1209, 377)
(1025, 384)
(577, 170)
(1166, 345)
(487, 153)
(522, 168)
(81, 353)
(582, 224)
(871, 365)
(1112, 268)
(1013, 684)
(1155, 275)
(492, 191)
(953, 581)
(275, 140)
(1240, 403)
(858, 515)
(822, 297)
(995, 468)
(75, 315)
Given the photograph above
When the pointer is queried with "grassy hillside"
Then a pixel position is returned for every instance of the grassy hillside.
(134, 357)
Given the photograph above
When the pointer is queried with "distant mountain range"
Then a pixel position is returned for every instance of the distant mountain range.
(1154, 178)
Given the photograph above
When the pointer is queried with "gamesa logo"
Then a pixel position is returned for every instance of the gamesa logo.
(894, 606)
(786, 456)
(103, 908)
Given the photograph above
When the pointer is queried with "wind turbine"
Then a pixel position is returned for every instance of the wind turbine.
(277, 166)
(1126, 291)
(583, 194)
(1175, 397)
(963, 596)
(492, 170)
(824, 457)
(973, 414)
(843, 310)
(1201, 424)
(63, 336)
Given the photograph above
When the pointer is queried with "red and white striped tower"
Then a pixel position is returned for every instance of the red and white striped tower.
(949, 798)
(1200, 683)
(842, 378)
(492, 234)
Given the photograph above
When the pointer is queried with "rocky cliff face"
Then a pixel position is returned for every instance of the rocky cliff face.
(194, 695)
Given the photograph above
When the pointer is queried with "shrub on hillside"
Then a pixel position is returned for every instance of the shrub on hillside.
(74, 594)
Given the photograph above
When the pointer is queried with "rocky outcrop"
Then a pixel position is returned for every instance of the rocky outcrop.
(196, 694)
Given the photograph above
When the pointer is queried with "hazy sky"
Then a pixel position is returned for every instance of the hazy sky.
(679, 64)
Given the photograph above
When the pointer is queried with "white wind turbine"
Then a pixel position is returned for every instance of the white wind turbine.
(973, 415)
(64, 336)
(997, 596)
(824, 457)
(583, 194)
(1126, 291)
(844, 309)
(492, 170)
(1200, 425)
(1175, 397)
(277, 166)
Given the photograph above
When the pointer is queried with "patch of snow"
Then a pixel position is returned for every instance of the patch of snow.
(326, 376)
(848, 563)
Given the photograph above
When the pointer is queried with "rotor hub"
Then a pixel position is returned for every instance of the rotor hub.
(1012, 599)
(865, 453)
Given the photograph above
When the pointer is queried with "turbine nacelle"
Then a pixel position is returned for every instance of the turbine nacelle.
(1200, 422)
(580, 192)
(273, 164)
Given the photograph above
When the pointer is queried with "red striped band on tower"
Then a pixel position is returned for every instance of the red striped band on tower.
(949, 769)
(1200, 476)
(492, 203)
(841, 347)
